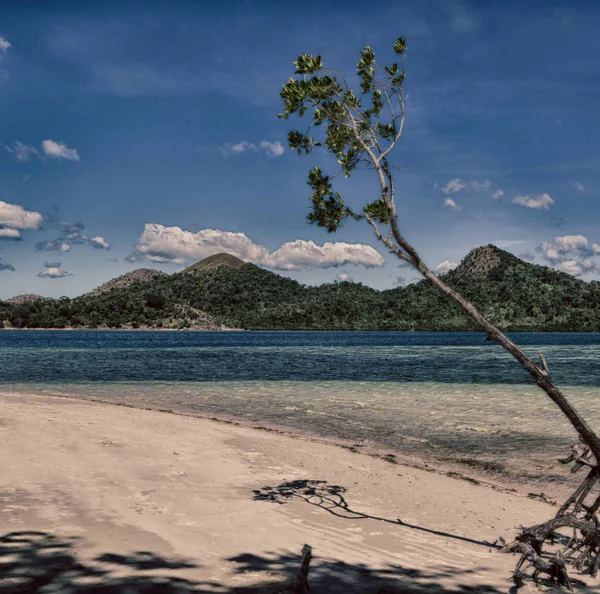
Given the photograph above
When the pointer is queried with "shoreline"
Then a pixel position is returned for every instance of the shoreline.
(547, 491)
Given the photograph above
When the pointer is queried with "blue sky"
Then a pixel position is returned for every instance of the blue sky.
(145, 134)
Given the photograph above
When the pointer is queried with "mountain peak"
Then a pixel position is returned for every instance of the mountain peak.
(485, 262)
(215, 261)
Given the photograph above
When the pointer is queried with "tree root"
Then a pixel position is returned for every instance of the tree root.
(581, 552)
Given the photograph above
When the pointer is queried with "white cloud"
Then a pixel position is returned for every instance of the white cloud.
(4, 45)
(344, 277)
(158, 243)
(16, 217)
(578, 268)
(59, 150)
(172, 244)
(6, 233)
(457, 185)
(542, 201)
(239, 148)
(449, 203)
(273, 149)
(498, 194)
(99, 243)
(53, 273)
(445, 266)
(53, 245)
(572, 253)
(567, 246)
(453, 186)
(579, 186)
(22, 152)
(306, 255)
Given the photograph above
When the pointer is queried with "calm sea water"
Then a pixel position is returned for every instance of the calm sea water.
(446, 395)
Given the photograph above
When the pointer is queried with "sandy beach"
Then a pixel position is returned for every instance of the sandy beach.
(97, 497)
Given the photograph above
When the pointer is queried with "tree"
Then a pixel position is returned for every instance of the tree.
(361, 130)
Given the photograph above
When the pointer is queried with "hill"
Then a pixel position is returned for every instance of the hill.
(214, 262)
(515, 295)
(141, 275)
(27, 298)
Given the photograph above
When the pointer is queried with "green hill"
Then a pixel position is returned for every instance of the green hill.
(213, 262)
(514, 294)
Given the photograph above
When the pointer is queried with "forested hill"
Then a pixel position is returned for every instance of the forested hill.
(514, 294)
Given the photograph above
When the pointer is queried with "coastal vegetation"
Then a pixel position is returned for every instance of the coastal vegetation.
(223, 291)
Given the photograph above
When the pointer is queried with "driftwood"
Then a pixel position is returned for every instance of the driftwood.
(581, 551)
(302, 586)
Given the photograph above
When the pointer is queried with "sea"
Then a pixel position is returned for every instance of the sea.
(443, 396)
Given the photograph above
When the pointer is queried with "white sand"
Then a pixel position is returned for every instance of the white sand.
(102, 483)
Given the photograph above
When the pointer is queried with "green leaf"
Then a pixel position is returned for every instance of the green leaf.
(307, 64)
(378, 211)
(328, 208)
(400, 45)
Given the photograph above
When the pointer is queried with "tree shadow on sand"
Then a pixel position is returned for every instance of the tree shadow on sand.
(42, 562)
(331, 499)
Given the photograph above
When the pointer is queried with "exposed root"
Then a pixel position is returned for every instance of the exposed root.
(581, 551)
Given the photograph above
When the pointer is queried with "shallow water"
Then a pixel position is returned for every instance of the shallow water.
(445, 395)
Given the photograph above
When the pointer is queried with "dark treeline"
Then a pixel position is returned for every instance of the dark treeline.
(513, 294)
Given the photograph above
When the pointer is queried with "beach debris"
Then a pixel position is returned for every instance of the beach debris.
(302, 586)
(581, 551)
(542, 497)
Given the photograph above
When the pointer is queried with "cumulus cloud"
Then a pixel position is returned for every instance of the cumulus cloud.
(22, 152)
(579, 186)
(457, 185)
(542, 201)
(306, 255)
(451, 204)
(100, 243)
(566, 247)
(445, 266)
(6, 267)
(53, 273)
(498, 194)
(52, 264)
(14, 216)
(6, 233)
(158, 243)
(59, 150)
(52, 245)
(344, 277)
(572, 253)
(578, 268)
(273, 149)
(4, 45)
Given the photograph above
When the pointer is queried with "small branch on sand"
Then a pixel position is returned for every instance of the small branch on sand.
(302, 586)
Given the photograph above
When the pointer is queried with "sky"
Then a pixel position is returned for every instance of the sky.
(145, 134)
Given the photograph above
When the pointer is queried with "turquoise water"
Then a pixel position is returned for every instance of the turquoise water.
(441, 395)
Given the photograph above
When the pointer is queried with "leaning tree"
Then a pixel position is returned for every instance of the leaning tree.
(361, 129)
